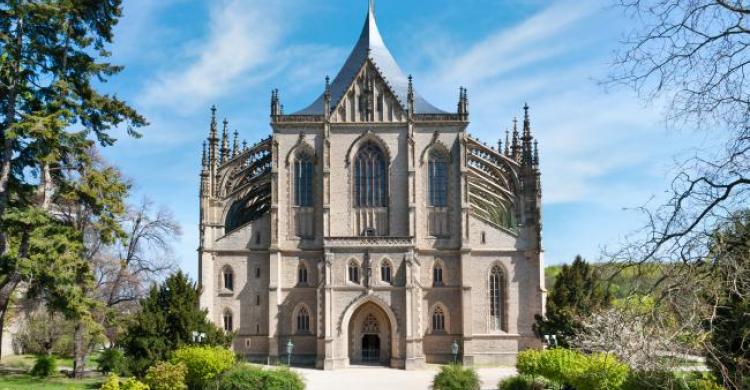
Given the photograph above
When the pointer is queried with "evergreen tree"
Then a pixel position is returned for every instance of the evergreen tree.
(169, 315)
(576, 294)
(728, 347)
(50, 115)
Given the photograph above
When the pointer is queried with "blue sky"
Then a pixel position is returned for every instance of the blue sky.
(602, 152)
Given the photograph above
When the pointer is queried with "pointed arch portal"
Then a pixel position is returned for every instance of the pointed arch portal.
(370, 336)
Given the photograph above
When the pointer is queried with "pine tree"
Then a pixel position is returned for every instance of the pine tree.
(50, 115)
(169, 315)
(576, 294)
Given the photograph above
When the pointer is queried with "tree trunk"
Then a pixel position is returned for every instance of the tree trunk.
(6, 293)
(80, 350)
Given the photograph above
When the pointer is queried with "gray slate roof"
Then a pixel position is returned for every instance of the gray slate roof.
(370, 45)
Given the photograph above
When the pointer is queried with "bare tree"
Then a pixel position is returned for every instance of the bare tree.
(125, 271)
(693, 54)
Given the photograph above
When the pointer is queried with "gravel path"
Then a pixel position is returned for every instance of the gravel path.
(367, 378)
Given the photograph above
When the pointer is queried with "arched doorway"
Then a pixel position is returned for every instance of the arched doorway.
(369, 336)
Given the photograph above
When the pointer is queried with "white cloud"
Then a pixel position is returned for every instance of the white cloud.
(241, 39)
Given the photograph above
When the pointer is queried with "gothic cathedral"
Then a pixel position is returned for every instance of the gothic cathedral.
(371, 228)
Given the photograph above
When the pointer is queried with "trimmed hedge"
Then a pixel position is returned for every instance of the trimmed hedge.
(456, 377)
(247, 377)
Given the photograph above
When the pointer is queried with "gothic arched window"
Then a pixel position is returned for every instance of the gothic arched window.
(303, 320)
(303, 175)
(370, 178)
(353, 272)
(302, 274)
(228, 325)
(438, 179)
(227, 278)
(438, 319)
(437, 274)
(385, 271)
(496, 297)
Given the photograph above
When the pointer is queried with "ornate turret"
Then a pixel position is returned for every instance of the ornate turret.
(224, 143)
(276, 109)
(515, 147)
(236, 144)
(507, 143)
(327, 97)
(527, 139)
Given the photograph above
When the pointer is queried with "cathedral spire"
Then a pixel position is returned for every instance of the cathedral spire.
(213, 140)
(236, 144)
(507, 143)
(224, 143)
(371, 6)
(536, 153)
(515, 146)
(527, 138)
(204, 158)
(410, 95)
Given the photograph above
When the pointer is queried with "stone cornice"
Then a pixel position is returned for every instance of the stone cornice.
(368, 242)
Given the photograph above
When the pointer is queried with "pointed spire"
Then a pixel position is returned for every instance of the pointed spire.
(236, 144)
(213, 140)
(527, 138)
(204, 157)
(507, 143)
(244, 145)
(536, 153)
(224, 151)
(410, 95)
(515, 146)
(500, 145)
(371, 6)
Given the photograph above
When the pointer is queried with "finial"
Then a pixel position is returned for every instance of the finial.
(410, 95)
(507, 142)
(204, 158)
(244, 144)
(515, 146)
(236, 144)
(224, 151)
(328, 84)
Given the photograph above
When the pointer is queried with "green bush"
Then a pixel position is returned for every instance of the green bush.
(204, 364)
(44, 366)
(455, 377)
(166, 376)
(112, 360)
(668, 380)
(247, 377)
(565, 367)
(521, 382)
(113, 383)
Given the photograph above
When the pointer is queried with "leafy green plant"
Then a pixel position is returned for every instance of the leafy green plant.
(44, 366)
(248, 377)
(564, 367)
(204, 364)
(521, 382)
(112, 360)
(600, 372)
(166, 376)
(456, 377)
(113, 383)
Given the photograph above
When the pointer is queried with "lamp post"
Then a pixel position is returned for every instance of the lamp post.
(289, 349)
(454, 351)
(198, 337)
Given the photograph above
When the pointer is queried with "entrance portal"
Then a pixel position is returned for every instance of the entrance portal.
(369, 336)
(370, 348)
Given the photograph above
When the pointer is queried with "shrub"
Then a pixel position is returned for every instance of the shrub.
(113, 383)
(455, 377)
(600, 372)
(112, 360)
(247, 377)
(204, 364)
(521, 382)
(44, 366)
(166, 376)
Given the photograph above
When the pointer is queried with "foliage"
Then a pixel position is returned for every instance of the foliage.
(571, 368)
(669, 380)
(521, 382)
(166, 376)
(26, 382)
(728, 348)
(248, 377)
(45, 333)
(45, 366)
(204, 364)
(113, 382)
(168, 316)
(576, 294)
(456, 377)
(112, 360)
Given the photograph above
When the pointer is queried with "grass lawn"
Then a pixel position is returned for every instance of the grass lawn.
(19, 382)
(27, 361)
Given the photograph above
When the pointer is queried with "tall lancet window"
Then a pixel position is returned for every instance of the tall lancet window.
(438, 177)
(303, 174)
(370, 179)
(496, 298)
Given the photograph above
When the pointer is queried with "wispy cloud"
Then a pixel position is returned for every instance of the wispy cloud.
(239, 45)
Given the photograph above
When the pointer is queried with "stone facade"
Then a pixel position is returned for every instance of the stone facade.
(290, 251)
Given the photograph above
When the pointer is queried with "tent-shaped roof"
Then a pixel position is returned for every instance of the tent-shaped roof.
(371, 46)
